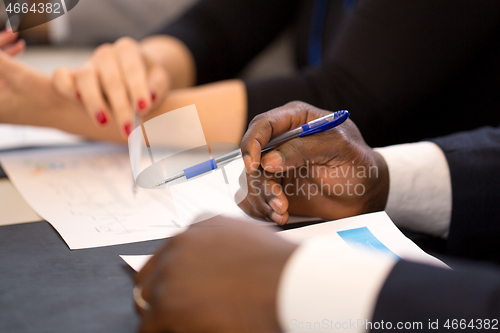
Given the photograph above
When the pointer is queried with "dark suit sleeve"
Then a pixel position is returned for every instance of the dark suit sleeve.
(223, 35)
(474, 161)
(419, 293)
(392, 57)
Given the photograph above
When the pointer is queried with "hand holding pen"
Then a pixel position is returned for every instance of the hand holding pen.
(332, 174)
(314, 126)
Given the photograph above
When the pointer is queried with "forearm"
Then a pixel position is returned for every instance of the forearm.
(221, 107)
(174, 56)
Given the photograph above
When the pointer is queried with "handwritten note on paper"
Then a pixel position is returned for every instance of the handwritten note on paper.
(86, 194)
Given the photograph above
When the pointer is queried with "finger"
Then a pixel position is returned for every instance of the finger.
(63, 79)
(267, 197)
(87, 84)
(133, 68)
(159, 83)
(271, 123)
(7, 37)
(15, 49)
(250, 210)
(114, 87)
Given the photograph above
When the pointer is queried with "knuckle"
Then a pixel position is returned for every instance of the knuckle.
(297, 105)
(59, 75)
(256, 121)
(258, 118)
(85, 72)
(59, 72)
(126, 43)
(103, 50)
(132, 70)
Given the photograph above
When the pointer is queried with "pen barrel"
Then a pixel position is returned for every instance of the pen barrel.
(200, 168)
(227, 158)
(282, 138)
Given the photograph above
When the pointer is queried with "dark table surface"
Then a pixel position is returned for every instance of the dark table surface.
(46, 287)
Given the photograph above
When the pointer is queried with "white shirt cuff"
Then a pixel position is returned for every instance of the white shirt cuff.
(420, 194)
(326, 286)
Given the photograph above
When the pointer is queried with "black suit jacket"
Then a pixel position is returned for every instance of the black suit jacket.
(419, 293)
(394, 64)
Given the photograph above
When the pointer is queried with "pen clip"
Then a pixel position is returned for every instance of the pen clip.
(338, 118)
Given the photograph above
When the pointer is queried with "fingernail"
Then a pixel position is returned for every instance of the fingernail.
(128, 128)
(276, 204)
(142, 104)
(277, 218)
(272, 159)
(101, 117)
(153, 96)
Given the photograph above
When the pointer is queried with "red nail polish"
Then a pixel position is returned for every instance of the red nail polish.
(142, 104)
(153, 96)
(101, 117)
(128, 128)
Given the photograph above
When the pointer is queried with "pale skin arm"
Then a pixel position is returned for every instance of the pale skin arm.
(29, 97)
(174, 57)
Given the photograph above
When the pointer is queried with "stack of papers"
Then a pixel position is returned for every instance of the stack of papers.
(85, 192)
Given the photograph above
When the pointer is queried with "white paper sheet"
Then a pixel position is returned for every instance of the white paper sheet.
(379, 224)
(86, 194)
(18, 136)
(137, 262)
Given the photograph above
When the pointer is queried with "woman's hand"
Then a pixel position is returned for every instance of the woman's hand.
(28, 97)
(118, 80)
(333, 174)
(9, 43)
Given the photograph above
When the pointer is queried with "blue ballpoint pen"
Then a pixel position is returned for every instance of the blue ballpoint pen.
(314, 126)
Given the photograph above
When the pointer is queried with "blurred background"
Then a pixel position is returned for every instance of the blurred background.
(69, 39)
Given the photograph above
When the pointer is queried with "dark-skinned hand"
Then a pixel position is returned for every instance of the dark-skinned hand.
(333, 174)
(220, 275)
